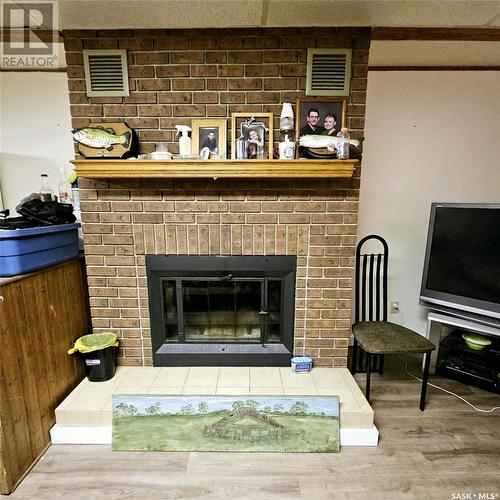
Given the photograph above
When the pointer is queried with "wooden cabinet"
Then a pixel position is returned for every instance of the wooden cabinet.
(41, 315)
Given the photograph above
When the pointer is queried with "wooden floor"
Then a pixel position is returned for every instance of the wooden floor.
(446, 450)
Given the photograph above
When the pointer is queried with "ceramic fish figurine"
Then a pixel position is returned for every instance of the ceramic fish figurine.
(101, 138)
(323, 141)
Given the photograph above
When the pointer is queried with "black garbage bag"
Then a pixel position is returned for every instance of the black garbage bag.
(46, 213)
(10, 223)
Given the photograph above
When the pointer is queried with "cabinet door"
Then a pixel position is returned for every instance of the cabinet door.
(41, 315)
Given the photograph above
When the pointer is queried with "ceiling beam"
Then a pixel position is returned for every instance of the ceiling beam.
(469, 34)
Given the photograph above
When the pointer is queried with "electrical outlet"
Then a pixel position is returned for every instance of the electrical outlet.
(394, 307)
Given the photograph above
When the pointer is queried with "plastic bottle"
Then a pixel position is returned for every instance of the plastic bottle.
(75, 197)
(286, 149)
(343, 145)
(184, 140)
(75, 194)
(64, 187)
(45, 192)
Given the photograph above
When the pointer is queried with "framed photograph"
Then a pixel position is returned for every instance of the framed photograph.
(321, 115)
(209, 138)
(251, 136)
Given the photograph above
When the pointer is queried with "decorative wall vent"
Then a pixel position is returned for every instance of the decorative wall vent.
(328, 71)
(106, 72)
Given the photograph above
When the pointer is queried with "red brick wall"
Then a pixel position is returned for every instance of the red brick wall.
(179, 75)
(184, 74)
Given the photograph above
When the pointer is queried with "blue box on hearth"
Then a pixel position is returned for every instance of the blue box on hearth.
(301, 364)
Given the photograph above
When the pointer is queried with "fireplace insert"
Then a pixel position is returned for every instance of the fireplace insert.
(221, 310)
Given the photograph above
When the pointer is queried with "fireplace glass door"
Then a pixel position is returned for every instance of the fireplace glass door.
(222, 309)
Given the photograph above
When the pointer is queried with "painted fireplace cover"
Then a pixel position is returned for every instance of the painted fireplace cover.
(284, 424)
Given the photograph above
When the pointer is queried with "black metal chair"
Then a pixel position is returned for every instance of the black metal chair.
(373, 334)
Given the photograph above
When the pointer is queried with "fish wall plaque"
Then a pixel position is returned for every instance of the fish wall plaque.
(105, 140)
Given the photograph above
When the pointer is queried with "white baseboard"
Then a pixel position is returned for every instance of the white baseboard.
(80, 435)
(359, 437)
(102, 435)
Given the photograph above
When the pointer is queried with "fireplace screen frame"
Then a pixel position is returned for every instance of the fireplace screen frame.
(185, 267)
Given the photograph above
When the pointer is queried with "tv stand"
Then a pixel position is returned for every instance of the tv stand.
(438, 323)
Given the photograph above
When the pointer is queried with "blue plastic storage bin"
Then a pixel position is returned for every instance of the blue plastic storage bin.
(25, 250)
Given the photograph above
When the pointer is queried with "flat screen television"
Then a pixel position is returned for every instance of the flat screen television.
(462, 259)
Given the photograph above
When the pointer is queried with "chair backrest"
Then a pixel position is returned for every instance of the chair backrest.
(370, 286)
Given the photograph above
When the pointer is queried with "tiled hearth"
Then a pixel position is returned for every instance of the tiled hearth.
(85, 415)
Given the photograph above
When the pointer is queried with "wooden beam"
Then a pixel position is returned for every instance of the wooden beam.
(43, 35)
(469, 34)
(31, 70)
(433, 68)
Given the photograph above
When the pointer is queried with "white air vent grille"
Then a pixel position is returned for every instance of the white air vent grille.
(328, 71)
(106, 72)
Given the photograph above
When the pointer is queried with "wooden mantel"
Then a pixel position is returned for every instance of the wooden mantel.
(213, 169)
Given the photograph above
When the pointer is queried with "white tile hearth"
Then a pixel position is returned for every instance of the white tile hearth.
(85, 415)
(234, 376)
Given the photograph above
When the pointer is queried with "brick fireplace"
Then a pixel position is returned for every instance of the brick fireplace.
(179, 75)
(123, 220)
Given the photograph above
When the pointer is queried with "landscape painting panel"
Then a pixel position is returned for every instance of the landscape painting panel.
(226, 423)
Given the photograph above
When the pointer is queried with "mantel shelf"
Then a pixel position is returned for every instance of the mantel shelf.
(213, 169)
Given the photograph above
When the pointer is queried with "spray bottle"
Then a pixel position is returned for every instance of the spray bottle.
(184, 140)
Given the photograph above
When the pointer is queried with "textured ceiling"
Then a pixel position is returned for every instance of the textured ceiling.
(112, 14)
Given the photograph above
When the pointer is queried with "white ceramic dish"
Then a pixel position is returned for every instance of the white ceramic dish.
(161, 155)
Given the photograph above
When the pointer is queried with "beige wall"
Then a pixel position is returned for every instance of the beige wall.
(430, 136)
(35, 132)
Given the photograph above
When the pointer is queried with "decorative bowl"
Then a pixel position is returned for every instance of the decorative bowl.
(161, 155)
(476, 342)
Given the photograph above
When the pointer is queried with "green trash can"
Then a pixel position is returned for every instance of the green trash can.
(98, 353)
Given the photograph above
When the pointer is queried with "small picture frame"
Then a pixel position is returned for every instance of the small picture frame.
(321, 115)
(209, 138)
(251, 136)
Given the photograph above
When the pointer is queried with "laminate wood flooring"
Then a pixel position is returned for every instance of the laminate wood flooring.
(446, 451)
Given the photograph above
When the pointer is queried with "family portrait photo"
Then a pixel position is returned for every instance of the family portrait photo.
(320, 116)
